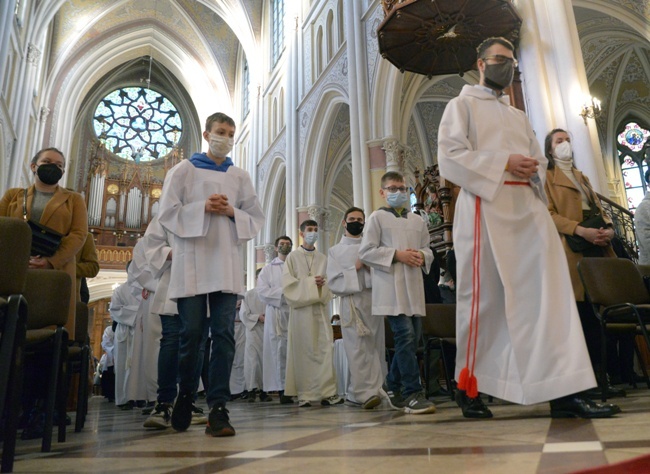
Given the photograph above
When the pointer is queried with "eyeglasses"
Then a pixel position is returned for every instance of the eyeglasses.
(497, 58)
(394, 189)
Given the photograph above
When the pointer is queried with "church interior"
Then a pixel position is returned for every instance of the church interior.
(325, 102)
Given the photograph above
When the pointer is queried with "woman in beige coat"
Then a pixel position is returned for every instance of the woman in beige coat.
(57, 208)
(571, 200)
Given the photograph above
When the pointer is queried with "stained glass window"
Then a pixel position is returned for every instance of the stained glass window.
(138, 123)
(277, 27)
(632, 140)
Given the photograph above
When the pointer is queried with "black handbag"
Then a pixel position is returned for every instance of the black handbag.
(45, 241)
(594, 221)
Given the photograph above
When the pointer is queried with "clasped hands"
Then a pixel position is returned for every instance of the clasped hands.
(600, 237)
(522, 166)
(410, 257)
(39, 263)
(218, 204)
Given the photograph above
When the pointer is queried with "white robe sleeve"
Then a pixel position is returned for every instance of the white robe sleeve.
(268, 292)
(139, 268)
(299, 292)
(425, 249)
(342, 277)
(186, 220)
(156, 248)
(371, 252)
(246, 315)
(249, 217)
(123, 308)
(478, 171)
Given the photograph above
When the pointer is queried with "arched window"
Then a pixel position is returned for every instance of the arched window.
(633, 146)
(274, 127)
(245, 93)
(281, 111)
(138, 123)
(319, 51)
(341, 25)
(277, 29)
(330, 36)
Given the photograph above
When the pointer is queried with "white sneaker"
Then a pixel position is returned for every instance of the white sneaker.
(161, 417)
(198, 417)
(333, 400)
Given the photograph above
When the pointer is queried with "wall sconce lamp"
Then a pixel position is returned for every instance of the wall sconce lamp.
(590, 109)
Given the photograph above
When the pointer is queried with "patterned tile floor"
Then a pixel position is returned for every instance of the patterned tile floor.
(341, 439)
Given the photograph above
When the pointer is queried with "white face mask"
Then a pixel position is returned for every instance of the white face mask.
(220, 146)
(563, 152)
(311, 238)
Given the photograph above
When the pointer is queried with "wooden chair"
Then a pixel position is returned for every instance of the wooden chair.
(615, 288)
(48, 294)
(438, 328)
(15, 242)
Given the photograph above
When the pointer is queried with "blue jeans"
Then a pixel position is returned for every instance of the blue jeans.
(404, 373)
(192, 312)
(168, 358)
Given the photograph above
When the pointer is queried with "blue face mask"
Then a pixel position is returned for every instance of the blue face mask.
(397, 199)
(311, 238)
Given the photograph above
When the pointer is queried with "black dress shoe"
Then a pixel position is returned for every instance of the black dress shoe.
(612, 392)
(472, 407)
(576, 406)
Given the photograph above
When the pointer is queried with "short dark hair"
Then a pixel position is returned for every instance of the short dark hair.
(548, 146)
(308, 222)
(218, 117)
(283, 237)
(392, 176)
(489, 42)
(647, 176)
(40, 152)
(353, 209)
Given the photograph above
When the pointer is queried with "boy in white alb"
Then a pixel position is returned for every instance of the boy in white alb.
(252, 317)
(310, 367)
(363, 334)
(211, 207)
(276, 320)
(395, 245)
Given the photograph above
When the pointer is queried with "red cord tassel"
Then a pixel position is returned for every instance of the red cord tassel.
(462, 379)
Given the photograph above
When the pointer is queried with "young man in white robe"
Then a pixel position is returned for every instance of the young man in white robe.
(515, 301)
(252, 318)
(363, 334)
(276, 320)
(211, 207)
(125, 311)
(395, 245)
(151, 326)
(310, 365)
(157, 245)
(237, 379)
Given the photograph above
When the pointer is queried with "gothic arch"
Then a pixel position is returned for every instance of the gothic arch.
(272, 199)
(315, 150)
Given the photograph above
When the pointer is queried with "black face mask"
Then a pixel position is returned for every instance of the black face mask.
(49, 173)
(354, 228)
(499, 76)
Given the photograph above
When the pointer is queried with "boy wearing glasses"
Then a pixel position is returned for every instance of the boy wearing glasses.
(395, 245)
